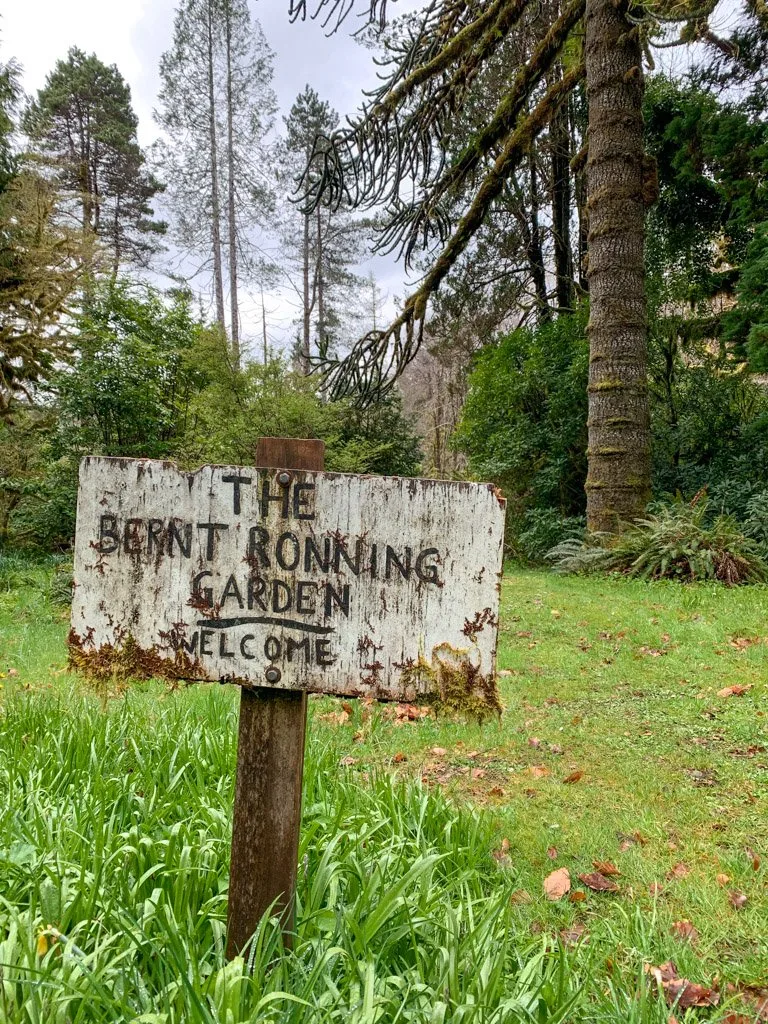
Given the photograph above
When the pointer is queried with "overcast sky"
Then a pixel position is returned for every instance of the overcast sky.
(134, 33)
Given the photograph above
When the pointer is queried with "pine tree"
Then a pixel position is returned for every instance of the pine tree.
(216, 108)
(10, 93)
(83, 124)
(321, 246)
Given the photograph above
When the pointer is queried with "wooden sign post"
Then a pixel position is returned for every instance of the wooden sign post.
(285, 580)
(270, 768)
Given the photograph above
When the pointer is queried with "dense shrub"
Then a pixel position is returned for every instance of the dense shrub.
(524, 427)
(151, 381)
(524, 424)
(544, 528)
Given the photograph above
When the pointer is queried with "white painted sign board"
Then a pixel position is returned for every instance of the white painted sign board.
(328, 582)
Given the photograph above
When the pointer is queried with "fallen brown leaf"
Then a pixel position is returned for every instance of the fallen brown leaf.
(438, 751)
(655, 889)
(681, 992)
(538, 771)
(684, 931)
(577, 896)
(722, 879)
(738, 900)
(496, 791)
(752, 856)
(680, 870)
(736, 690)
(478, 773)
(598, 883)
(534, 741)
(574, 935)
(605, 868)
(399, 757)
(557, 884)
(573, 777)
(520, 897)
(347, 761)
(552, 853)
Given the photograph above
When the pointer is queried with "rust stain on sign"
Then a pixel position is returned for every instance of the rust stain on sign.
(326, 582)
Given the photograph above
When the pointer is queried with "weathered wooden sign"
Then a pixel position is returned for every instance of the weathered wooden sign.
(342, 584)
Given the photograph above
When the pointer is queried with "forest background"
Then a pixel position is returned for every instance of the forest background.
(132, 281)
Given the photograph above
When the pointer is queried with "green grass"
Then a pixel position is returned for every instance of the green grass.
(115, 816)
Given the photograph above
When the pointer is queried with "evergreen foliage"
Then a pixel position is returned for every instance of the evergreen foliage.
(41, 266)
(84, 125)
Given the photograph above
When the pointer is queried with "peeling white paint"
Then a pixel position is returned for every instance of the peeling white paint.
(243, 580)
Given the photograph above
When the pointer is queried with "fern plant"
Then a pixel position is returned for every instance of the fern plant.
(675, 541)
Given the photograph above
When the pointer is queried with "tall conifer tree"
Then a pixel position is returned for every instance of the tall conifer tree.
(216, 108)
(83, 123)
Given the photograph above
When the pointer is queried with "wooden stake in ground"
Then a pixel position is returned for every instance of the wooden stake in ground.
(270, 765)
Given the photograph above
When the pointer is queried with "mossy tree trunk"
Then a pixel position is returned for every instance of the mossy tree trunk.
(618, 478)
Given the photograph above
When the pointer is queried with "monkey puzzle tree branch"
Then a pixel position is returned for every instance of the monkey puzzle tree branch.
(376, 361)
(414, 224)
(399, 133)
(340, 9)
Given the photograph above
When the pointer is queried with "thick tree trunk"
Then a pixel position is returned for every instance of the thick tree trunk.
(218, 276)
(618, 477)
(231, 204)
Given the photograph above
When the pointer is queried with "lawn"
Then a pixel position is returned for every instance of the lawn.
(633, 741)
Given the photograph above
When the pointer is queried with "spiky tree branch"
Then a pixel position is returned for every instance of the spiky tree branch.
(376, 360)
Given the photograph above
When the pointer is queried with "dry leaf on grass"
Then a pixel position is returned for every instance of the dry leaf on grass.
(655, 889)
(738, 900)
(574, 935)
(538, 771)
(680, 870)
(734, 691)
(438, 751)
(557, 884)
(722, 879)
(681, 992)
(502, 854)
(399, 757)
(605, 867)
(552, 853)
(598, 883)
(577, 896)
(684, 931)
(753, 857)
(520, 897)
(573, 777)
(347, 761)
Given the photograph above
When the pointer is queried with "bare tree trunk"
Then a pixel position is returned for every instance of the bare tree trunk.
(233, 303)
(534, 251)
(618, 477)
(218, 277)
(264, 327)
(559, 140)
(321, 340)
(306, 325)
